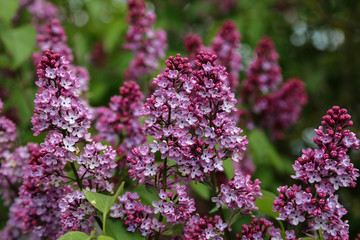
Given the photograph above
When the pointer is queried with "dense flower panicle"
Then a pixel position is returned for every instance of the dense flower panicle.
(12, 170)
(59, 110)
(119, 124)
(323, 171)
(198, 228)
(136, 215)
(226, 46)
(264, 73)
(281, 109)
(258, 229)
(239, 194)
(7, 135)
(52, 36)
(28, 211)
(176, 207)
(188, 117)
(75, 212)
(147, 44)
(329, 166)
(41, 10)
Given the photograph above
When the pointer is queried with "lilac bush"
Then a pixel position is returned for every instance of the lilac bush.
(181, 153)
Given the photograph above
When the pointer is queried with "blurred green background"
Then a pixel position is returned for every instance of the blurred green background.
(318, 41)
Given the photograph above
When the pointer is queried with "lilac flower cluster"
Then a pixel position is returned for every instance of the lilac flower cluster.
(135, 215)
(177, 208)
(239, 193)
(77, 213)
(52, 36)
(119, 124)
(322, 171)
(282, 108)
(41, 10)
(7, 133)
(258, 229)
(27, 213)
(147, 44)
(269, 104)
(59, 111)
(12, 170)
(189, 120)
(198, 228)
(226, 45)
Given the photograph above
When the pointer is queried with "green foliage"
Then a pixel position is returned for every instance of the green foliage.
(7, 10)
(19, 43)
(265, 204)
(174, 231)
(75, 236)
(201, 189)
(103, 202)
(117, 230)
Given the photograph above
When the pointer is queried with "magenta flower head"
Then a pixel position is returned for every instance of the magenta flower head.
(7, 133)
(322, 171)
(188, 115)
(147, 44)
(226, 45)
(119, 124)
(263, 73)
(282, 108)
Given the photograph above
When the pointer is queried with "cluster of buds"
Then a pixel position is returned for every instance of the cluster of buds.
(322, 171)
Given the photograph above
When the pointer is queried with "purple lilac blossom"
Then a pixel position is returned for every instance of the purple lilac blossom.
(226, 45)
(322, 171)
(40, 9)
(12, 170)
(118, 124)
(198, 228)
(258, 229)
(52, 36)
(59, 112)
(7, 134)
(136, 215)
(188, 117)
(147, 44)
(239, 194)
(268, 103)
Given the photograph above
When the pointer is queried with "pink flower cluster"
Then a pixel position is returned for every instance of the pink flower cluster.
(135, 215)
(239, 194)
(147, 44)
(226, 45)
(258, 229)
(41, 10)
(118, 124)
(189, 120)
(7, 133)
(198, 228)
(269, 104)
(322, 171)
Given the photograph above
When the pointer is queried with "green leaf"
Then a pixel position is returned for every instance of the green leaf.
(103, 237)
(265, 204)
(200, 189)
(228, 168)
(263, 151)
(117, 230)
(19, 43)
(74, 236)
(7, 10)
(175, 230)
(103, 202)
